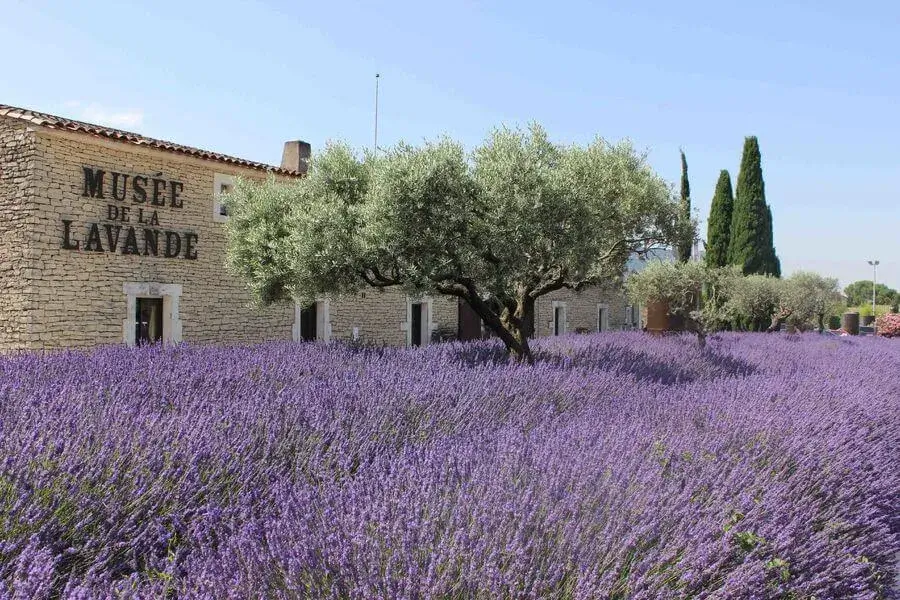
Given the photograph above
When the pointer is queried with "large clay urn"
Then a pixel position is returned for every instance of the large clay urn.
(850, 323)
(657, 317)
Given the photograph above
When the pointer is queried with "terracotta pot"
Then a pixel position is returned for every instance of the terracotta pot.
(657, 317)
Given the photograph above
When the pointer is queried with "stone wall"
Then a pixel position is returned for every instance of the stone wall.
(581, 309)
(17, 155)
(381, 317)
(77, 297)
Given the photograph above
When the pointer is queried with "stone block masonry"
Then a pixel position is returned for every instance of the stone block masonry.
(91, 224)
(17, 158)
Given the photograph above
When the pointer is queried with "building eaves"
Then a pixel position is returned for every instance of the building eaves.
(55, 122)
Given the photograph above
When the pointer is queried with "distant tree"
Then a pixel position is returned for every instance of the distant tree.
(693, 291)
(750, 245)
(765, 303)
(860, 292)
(753, 301)
(809, 296)
(686, 238)
(518, 218)
(719, 226)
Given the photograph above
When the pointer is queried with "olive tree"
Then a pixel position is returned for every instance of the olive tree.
(693, 291)
(755, 303)
(515, 219)
(810, 296)
(766, 302)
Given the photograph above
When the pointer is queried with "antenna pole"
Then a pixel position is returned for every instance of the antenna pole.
(377, 76)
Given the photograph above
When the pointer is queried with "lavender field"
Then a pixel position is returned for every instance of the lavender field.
(619, 466)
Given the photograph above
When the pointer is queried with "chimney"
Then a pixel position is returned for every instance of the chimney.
(296, 156)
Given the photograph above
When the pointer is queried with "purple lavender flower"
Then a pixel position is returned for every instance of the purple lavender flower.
(619, 466)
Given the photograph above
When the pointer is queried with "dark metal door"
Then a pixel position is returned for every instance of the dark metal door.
(416, 325)
(148, 325)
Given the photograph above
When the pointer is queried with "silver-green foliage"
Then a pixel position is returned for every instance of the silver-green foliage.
(754, 300)
(810, 297)
(517, 218)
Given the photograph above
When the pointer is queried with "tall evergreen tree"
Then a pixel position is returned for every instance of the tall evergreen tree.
(718, 232)
(686, 235)
(750, 246)
(773, 265)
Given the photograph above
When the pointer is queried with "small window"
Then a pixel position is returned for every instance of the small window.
(223, 190)
(222, 185)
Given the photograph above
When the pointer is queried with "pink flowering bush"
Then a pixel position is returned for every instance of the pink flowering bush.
(888, 325)
(618, 466)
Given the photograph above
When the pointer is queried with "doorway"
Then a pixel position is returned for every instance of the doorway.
(308, 322)
(416, 323)
(559, 318)
(148, 321)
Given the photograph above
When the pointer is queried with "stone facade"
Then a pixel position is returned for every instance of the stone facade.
(17, 158)
(581, 311)
(55, 295)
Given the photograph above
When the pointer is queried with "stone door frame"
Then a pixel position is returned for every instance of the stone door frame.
(171, 318)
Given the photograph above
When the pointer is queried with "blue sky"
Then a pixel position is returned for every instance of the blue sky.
(817, 82)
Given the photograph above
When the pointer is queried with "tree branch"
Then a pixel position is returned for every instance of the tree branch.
(373, 277)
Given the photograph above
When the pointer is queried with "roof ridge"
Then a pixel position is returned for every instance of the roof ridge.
(56, 122)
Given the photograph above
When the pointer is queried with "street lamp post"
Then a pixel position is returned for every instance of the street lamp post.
(874, 264)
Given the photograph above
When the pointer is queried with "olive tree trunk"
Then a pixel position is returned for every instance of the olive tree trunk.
(513, 324)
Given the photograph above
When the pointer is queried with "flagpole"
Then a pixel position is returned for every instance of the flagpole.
(377, 77)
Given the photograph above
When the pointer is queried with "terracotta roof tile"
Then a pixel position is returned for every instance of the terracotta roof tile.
(54, 122)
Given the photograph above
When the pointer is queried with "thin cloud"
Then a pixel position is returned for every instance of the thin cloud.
(123, 119)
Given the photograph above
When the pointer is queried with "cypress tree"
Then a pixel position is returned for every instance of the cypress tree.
(718, 232)
(750, 245)
(773, 264)
(686, 236)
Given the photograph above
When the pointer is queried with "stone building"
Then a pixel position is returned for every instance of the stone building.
(110, 237)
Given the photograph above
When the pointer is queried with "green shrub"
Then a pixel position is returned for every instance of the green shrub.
(865, 310)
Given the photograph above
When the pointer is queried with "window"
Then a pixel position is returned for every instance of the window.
(222, 184)
(602, 317)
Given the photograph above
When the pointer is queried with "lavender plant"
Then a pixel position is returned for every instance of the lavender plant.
(618, 466)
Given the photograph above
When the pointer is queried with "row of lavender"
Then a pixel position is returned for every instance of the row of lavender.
(619, 466)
